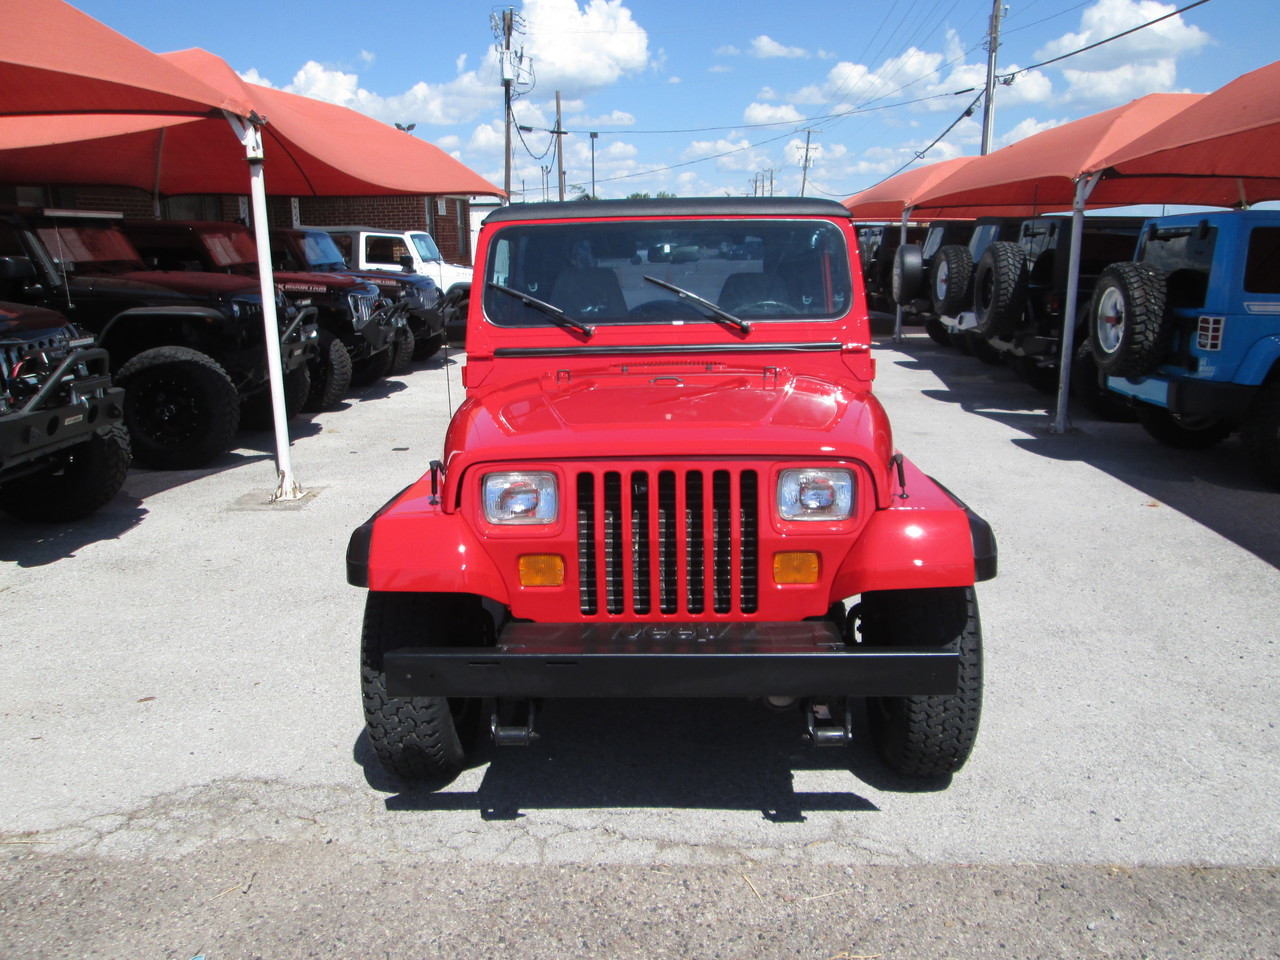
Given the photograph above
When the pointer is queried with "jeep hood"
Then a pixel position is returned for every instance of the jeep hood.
(21, 322)
(668, 412)
(190, 283)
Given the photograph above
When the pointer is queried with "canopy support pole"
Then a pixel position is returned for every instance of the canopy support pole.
(251, 137)
(155, 193)
(1084, 187)
(902, 238)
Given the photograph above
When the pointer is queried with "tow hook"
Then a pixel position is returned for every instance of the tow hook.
(823, 729)
(512, 723)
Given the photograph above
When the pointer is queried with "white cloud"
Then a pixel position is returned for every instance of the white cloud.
(367, 58)
(719, 68)
(767, 113)
(461, 63)
(1027, 128)
(674, 80)
(1140, 63)
(728, 50)
(579, 49)
(253, 76)
(615, 118)
(766, 47)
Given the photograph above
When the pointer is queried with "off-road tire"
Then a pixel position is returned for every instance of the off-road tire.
(1260, 433)
(1096, 398)
(372, 369)
(180, 407)
(256, 412)
(952, 282)
(403, 349)
(980, 348)
(1127, 325)
(926, 736)
(937, 331)
(1182, 431)
(330, 375)
(1000, 288)
(77, 481)
(419, 739)
(428, 346)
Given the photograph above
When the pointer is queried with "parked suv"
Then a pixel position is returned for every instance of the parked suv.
(308, 249)
(187, 348)
(914, 270)
(1019, 289)
(359, 333)
(414, 251)
(665, 480)
(1189, 331)
(64, 451)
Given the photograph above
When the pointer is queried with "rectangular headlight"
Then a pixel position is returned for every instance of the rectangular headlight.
(523, 497)
(815, 493)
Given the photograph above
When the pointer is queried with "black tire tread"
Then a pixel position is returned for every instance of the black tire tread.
(330, 375)
(1181, 432)
(405, 345)
(959, 296)
(1145, 341)
(80, 480)
(223, 409)
(926, 736)
(1004, 267)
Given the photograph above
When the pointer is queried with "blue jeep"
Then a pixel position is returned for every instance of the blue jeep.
(1190, 331)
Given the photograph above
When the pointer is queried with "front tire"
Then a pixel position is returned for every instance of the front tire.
(926, 736)
(419, 739)
(77, 482)
(180, 407)
(403, 350)
(330, 374)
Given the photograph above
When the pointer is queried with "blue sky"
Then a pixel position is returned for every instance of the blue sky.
(711, 98)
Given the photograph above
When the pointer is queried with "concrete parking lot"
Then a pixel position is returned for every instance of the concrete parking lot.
(185, 772)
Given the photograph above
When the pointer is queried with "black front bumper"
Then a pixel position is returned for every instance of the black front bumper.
(670, 660)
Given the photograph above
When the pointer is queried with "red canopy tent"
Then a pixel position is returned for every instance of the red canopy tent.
(1231, 136)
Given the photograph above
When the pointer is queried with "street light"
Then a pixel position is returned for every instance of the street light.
(594, 135)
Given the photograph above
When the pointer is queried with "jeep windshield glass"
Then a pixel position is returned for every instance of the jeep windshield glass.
(321, 251)
(660, 272)
(556, 315)
(427, 248)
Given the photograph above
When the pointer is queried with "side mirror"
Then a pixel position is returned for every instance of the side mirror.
(406, 263)
(17, 270)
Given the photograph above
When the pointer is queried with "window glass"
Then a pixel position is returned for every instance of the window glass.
(1185, 254)
(1262, 264)
(623, 272)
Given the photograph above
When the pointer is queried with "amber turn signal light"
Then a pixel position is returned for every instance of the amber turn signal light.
(796, 567)
(542, 570)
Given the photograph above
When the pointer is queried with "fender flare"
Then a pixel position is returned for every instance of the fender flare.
(1263, 357)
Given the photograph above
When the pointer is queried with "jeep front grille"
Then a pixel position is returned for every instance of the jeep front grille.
(682, 540)
(361, 308)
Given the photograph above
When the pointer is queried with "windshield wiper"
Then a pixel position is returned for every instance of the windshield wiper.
(722, 315)
(558, 316)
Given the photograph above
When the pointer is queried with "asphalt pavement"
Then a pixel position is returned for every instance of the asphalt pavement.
(184, 770)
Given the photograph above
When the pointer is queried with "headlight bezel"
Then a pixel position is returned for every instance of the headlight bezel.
(817, 483)
(505, 495)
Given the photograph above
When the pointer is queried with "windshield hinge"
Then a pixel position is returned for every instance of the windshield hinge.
(770, 377)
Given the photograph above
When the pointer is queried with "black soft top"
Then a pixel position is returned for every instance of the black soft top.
(677, 207)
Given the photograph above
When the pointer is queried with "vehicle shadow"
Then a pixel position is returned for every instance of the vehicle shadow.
(1213, 487)
(31, 544)
(677, 754)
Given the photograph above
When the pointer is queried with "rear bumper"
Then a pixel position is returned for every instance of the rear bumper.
(1187, 396)
(670, 660)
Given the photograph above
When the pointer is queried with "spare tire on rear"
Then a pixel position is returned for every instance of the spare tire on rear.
(908, 274)
(1000, 288)
(1127, 326)
(952, 286)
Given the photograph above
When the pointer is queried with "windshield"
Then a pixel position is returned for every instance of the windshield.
(73, 245)
(321, 252)
(635, 272)
(427, 248)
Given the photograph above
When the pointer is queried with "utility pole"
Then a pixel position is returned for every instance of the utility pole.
(988, 102)
(559, 132)
(804, 167)
(594, 135)
(508, 78)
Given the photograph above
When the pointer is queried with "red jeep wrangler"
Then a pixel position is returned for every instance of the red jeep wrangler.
(667, 477)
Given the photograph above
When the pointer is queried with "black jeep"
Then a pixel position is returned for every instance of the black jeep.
(188, 348)
(63, 449)
(303, 248)
(360, 334)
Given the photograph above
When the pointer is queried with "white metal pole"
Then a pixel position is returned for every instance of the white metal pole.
(1084, 187)
(902, 239)
(251, 137)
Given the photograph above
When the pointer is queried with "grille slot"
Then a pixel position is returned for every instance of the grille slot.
(662, 540)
